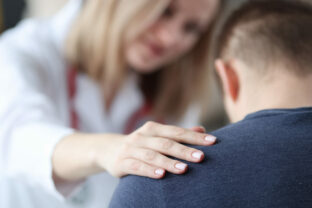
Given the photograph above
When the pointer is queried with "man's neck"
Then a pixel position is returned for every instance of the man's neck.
(283, 92)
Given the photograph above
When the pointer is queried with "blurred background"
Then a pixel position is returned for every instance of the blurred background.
(13, 11)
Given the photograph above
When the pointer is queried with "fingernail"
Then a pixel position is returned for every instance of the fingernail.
(159, 172)
(180, 166)
(197, 155)
(210, 138)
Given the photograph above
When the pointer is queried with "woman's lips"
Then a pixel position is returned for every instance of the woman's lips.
(155, 49)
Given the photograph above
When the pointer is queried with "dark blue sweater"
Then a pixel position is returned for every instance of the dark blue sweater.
(263, 161)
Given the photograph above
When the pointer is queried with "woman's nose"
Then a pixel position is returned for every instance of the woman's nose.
(169, 35)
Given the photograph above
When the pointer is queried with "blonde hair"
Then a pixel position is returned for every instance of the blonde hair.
(95, 46)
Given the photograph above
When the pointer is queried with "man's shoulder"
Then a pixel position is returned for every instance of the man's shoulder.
(137, 191)
(264, 133)
(267, 127)
(246, 166)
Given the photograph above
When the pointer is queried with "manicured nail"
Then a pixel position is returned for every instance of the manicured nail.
(180, 166)
(197, 155)
(159, 172)
(210, 138)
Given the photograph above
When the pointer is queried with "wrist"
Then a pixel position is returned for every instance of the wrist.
(106, 151)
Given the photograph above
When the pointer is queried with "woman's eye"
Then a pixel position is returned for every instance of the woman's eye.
(168, 12)
(192, 28)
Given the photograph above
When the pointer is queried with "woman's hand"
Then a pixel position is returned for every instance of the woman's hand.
(145, 152)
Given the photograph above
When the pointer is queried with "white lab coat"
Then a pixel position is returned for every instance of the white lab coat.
(34, 115)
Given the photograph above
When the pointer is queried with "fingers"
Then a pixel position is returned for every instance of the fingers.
(137, 167)
(178, 134)
(156, 159)
(145, 151)
(171, 148)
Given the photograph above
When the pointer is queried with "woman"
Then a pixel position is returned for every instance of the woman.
(75, 88)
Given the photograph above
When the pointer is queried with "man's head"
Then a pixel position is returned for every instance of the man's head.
(264, 53)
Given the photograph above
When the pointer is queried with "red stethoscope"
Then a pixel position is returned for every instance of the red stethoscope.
(135, 120)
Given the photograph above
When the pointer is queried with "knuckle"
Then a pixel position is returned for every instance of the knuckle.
(179, 131)
(167, 144)
(167, 163)
(184, 151)
(150, 155)
(134, 137)
(149, 125)
(135, 166)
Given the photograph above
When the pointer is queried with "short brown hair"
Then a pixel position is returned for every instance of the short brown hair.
(265, 32)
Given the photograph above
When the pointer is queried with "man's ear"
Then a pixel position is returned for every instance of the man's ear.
(229, 78)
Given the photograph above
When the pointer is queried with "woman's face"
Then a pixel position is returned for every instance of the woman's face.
(171, 36)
